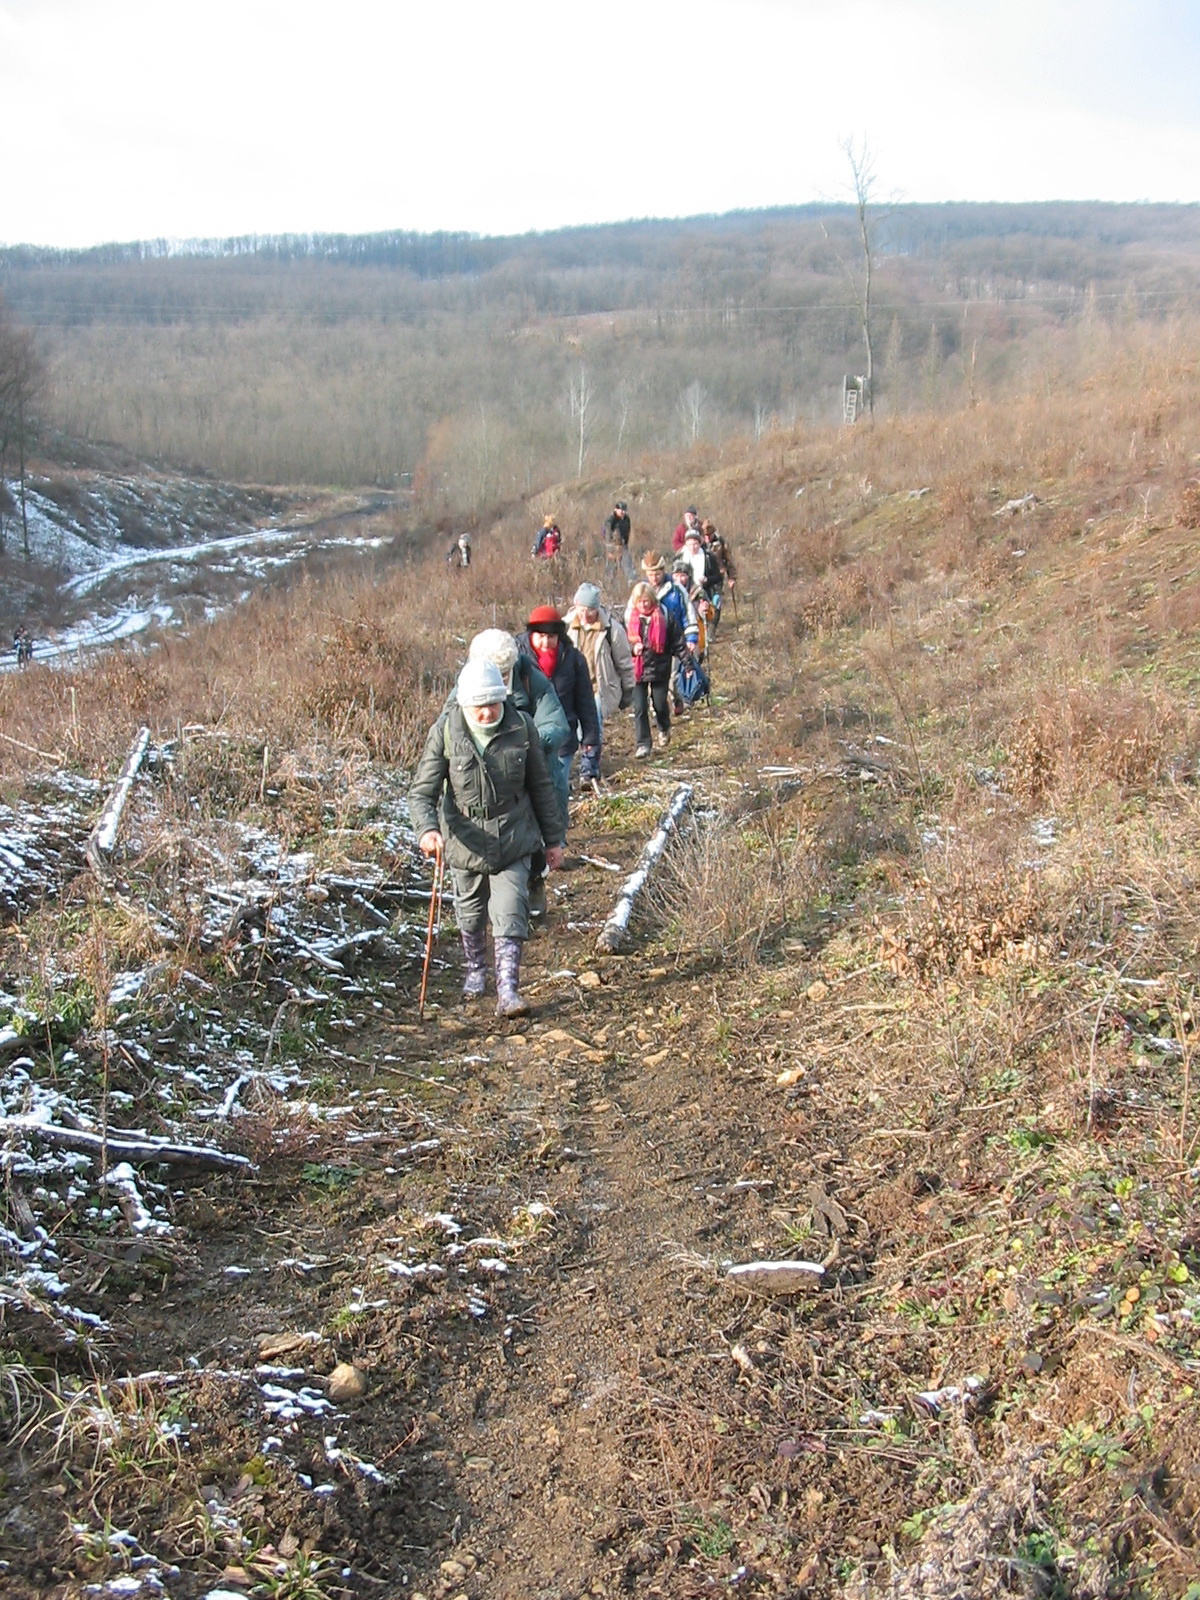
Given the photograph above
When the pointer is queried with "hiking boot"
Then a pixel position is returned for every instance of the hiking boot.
(662, 738)
(642, 751)
(537, 897)
(475, 954)
(508, 977)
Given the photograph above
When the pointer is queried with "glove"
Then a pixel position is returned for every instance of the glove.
(626, 700)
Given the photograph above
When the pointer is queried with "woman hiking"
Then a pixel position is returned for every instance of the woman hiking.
(482, 794)
(545, 642)
(602, 641)
(655, 640)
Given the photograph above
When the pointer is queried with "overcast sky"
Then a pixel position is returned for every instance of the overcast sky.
(133, 119)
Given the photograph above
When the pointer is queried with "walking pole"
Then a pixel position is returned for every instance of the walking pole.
(435, 919)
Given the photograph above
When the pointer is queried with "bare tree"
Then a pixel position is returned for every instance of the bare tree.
(692, 402)
(624, 398)
(863, 188)
(21, 378)
(580, 396)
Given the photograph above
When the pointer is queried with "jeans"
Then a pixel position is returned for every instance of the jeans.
(643, 694)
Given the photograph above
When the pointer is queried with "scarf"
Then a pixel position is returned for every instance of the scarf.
(651, 633)
(546, 659)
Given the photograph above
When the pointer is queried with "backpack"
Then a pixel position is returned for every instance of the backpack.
(693, 683)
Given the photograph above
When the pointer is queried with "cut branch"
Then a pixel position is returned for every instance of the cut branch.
(616, 930)
(104, 835)
(120, 1145)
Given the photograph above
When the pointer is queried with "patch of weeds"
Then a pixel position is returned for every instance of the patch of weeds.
(304, 1575)
(712, 1536)
(1083, 1445)
(329, 1175)
(1041, 1551)
(1028, 1140)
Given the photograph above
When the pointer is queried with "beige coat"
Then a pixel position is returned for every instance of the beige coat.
(605, 647)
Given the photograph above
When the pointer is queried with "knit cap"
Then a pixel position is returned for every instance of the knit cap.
(481, 683)
(495, 645)
(587, 595)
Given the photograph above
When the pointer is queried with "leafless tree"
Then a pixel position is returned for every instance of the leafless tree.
(21, 378)
(863, 187)
(580, 397)
(692, 402)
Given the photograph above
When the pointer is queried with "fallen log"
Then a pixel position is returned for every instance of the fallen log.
(103, 836)
(616, 930)
(121, 1145)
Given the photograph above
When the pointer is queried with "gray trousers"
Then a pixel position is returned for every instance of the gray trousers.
(499, 897)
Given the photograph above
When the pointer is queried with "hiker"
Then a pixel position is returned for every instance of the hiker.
(22, 644)
(460, 552)
(718, 549)
(602, 641)
(549, 540)
(702, 562)
(691, 519)
(545, 641)
(655, 641)
(532, 692)
(483, 793)
(615, 535)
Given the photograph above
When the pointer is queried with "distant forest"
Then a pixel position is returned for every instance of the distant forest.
(477, 368)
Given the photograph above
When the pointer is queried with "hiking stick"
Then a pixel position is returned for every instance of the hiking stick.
(435, 920)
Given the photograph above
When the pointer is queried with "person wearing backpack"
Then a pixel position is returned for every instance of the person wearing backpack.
(656, 642)
(482, 793)
(603, 643)
(549, 540)
(532, 692)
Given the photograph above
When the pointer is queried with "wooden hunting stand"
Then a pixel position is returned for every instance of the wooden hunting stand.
(854, 394)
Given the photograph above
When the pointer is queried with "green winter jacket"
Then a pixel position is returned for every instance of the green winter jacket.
(491, 806)
(533, 693)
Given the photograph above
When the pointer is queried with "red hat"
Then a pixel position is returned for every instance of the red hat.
(544, 619)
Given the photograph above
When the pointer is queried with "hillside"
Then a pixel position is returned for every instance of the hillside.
(481, 370)
(914, 1001)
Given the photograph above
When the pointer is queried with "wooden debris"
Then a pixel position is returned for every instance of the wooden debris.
(616, 930)
(103, 836)
(121, 1145)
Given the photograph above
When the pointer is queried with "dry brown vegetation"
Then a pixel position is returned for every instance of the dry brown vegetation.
(920, 1006)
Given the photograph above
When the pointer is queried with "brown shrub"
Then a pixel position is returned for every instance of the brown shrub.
(1095, 735)
(1188, 514)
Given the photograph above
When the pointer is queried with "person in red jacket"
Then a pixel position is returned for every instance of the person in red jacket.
(549, 540)
(691, 521)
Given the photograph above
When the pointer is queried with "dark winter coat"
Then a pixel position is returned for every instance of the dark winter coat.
(572, 684)
(657, 668)
(492, 805)
(616, 528)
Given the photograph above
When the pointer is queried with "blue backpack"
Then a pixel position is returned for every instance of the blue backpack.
(693, 683)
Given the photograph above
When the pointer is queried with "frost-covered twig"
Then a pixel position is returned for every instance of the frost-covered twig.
(127, 1146)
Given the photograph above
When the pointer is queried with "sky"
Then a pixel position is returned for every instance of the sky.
(176, 119)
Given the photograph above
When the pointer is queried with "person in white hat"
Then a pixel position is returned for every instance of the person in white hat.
(482, 793)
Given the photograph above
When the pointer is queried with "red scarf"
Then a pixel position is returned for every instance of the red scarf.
(546, 659)
(651, 633)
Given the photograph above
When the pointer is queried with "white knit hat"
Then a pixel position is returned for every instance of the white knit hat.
(494, 645)
(481, 683)
(587, 595)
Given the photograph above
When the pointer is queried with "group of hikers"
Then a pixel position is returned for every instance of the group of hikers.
(490, 797)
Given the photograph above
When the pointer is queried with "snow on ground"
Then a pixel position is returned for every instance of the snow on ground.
(97, 532)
